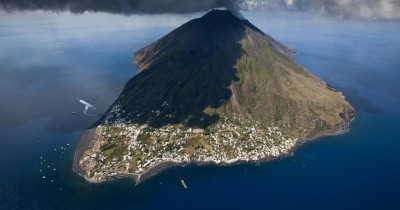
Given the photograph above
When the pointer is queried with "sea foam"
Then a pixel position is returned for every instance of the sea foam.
(87, 107)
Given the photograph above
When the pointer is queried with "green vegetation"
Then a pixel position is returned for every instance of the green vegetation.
(195, 141)
(114, 149)
(144, 138)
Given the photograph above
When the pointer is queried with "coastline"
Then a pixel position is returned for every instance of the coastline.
(161, 167)
(89, 137)
(84, 143)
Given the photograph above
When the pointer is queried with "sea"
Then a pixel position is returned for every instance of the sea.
(50, 61)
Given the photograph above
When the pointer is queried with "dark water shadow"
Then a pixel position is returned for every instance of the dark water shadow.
(359, 102)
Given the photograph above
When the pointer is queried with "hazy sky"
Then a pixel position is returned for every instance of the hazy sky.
(366, 9)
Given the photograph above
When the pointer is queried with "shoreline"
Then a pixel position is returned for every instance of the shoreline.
(89, 136)
(84, 142)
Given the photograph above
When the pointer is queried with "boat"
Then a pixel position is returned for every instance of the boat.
(184, 184)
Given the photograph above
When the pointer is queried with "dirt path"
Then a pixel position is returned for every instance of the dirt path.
(237, 109)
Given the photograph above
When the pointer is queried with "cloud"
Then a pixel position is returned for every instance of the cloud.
(120, 6)
(363, 9)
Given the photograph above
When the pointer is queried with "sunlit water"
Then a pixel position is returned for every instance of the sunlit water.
(47, 61)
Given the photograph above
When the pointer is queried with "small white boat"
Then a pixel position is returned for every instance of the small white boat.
(184, 184)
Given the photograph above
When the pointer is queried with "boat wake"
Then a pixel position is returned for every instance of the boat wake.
(87, 107)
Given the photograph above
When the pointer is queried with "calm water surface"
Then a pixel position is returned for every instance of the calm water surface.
(47, 61)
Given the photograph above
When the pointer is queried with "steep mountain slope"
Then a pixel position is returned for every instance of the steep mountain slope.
(221, 66)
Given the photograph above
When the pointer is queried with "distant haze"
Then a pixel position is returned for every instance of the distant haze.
(363, 9)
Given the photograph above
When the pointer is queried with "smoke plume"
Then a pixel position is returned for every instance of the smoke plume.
(126, 7)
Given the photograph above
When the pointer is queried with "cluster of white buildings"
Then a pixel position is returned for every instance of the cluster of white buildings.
(144, 147)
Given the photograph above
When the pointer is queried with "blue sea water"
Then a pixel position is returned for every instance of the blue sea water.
(48, 60)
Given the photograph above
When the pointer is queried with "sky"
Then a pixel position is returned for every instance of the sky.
(341, 9)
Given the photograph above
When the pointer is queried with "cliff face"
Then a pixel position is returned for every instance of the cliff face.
(216, 89)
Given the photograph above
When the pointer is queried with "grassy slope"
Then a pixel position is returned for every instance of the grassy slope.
(274, 89)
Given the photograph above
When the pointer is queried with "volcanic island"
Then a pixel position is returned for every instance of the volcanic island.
(216, 90)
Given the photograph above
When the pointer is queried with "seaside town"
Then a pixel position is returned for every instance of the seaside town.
(122, 148)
